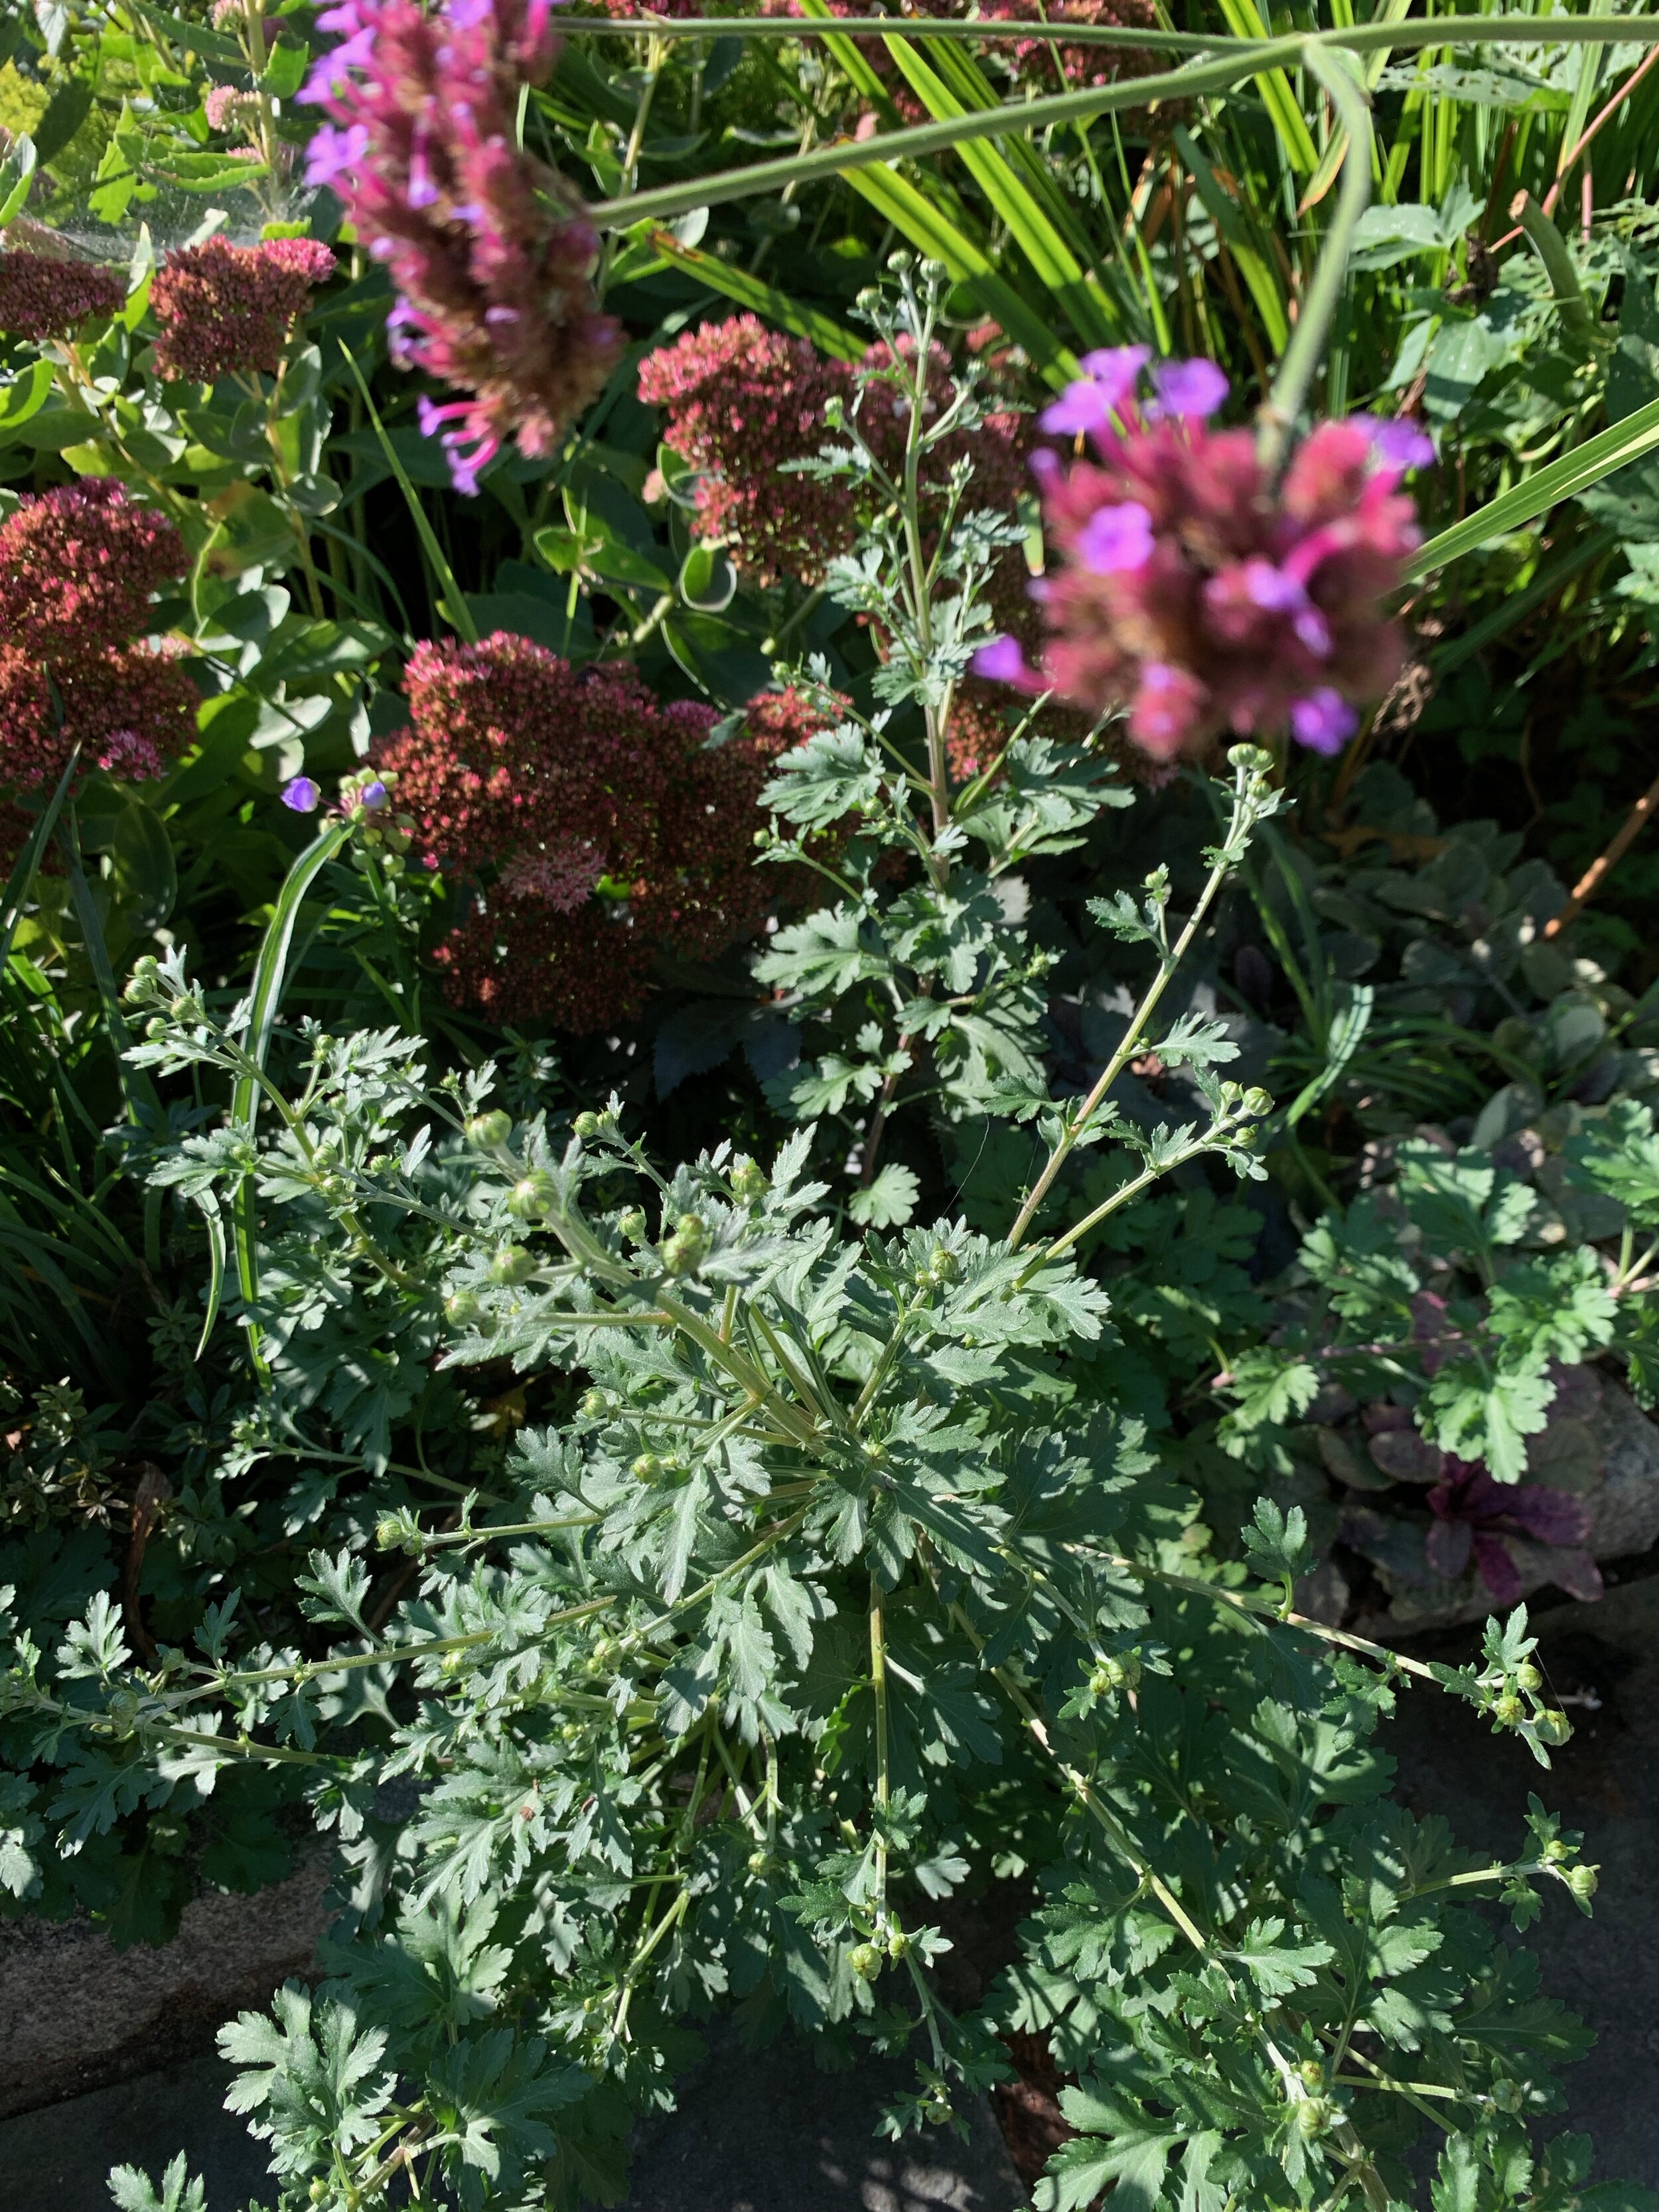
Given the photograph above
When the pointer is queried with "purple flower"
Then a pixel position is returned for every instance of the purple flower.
(1277, 591)
(1186, 388)
(1002, 662)
(1323, 721)
(302, 795)
(333, 152)
(1090, 404)
(1116, 538)
(1399, 444)
(373, 795)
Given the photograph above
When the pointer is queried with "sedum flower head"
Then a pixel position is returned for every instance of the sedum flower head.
(743, 402)
(486, 246)
(78, 566)
(41, 297)
(1194, 591)
(225, 309)
(589, 826)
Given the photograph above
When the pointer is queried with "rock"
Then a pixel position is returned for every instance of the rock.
(76, 2014)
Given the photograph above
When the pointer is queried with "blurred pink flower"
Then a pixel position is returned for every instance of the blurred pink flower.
(1197, 593)
(43, 298)
(487, 246)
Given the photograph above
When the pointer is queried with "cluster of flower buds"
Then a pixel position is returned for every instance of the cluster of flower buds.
(487, 247)
(226, 310)
(78, 566)
(44, 297)
(1198, 594)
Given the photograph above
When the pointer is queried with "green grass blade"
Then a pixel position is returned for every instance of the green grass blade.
(1611, 449)
(455, 608)
(265, 996)
(17, 886)
(934, 233)
(216, 1233)
(1516, 605)
(1052, 260)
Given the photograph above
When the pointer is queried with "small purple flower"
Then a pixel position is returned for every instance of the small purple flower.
(302, 795)
(1090, 404)
(1115, 538)
(1323, 721)
(1399, 444)
(1189, 387)
(333, 152)
(373, 795)
(1277, 591)
(1001, 661)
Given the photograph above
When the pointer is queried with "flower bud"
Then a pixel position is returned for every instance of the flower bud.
(1316, 2115)
(898, 1944)
(489, 1132)
(532, 1197)
(1583, 1881)
(1553, 1726)
(749, 1180)
(1508, 1709)
(142, 981)
(388, 1534)
(1526, 1676)
(512, 1264)
(462, 1306)
(595, 1405)
(867, 1961)
(1311, 2074)
(648, 1469)
(1508, 2096)
(633, 1225)
(587, 1126)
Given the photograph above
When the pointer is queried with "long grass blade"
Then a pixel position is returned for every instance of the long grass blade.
(29, 860)
(265, 996)
(1612, 449)
(455, 608)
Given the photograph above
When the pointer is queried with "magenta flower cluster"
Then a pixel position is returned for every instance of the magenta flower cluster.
(77, 568)
(486, 246)
(44, 297)
(222, 309)
(1196, 592)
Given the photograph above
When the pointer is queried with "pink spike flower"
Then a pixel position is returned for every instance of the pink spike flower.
(487, 246)
(1194, 592)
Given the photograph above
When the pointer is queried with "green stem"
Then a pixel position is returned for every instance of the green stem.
(1295, 370)
(883, 1774)
(1237, 60)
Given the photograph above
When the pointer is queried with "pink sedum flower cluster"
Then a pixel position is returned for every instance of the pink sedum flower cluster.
(225, 310)
(42, 297)
(1196, 591)
(77, 568)
(589, 826)
(743, 400)
(486, 246)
